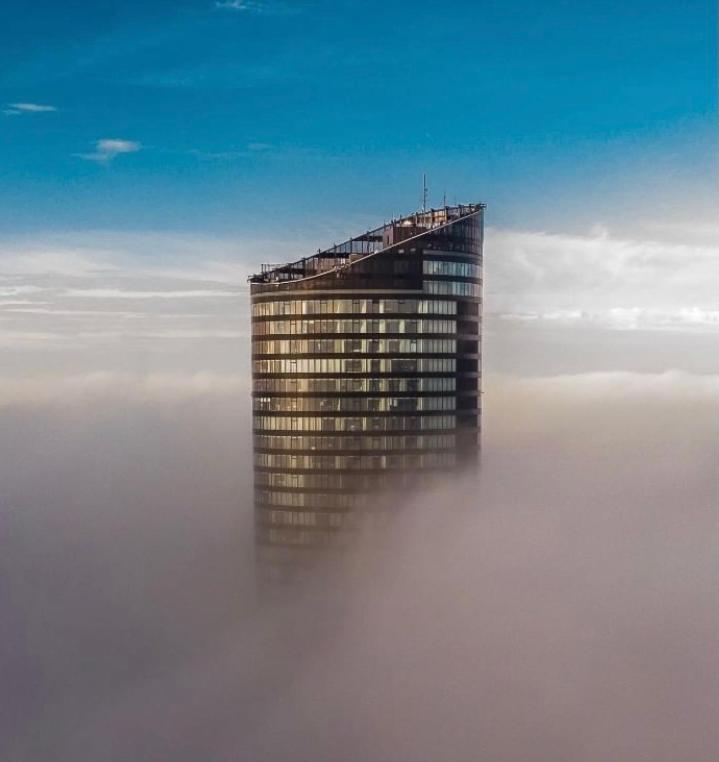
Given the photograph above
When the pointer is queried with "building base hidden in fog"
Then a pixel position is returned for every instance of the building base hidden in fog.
(366, 365)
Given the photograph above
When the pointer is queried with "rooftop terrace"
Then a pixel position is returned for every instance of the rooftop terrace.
(371, 242)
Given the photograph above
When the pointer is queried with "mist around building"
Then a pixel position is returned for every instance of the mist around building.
(558, 602)
(558, 605)
(522, 398)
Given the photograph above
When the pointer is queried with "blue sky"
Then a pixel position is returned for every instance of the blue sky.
(197, 115)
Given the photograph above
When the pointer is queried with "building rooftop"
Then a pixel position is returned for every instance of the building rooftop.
(371, 242)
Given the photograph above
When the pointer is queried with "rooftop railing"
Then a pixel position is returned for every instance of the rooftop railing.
(371, 242)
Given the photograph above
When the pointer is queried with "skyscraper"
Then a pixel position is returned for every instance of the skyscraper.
(366, 362)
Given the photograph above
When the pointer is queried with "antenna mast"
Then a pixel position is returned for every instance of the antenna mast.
(425, 191)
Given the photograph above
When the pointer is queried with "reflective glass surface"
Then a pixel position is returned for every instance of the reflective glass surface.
(366, 373)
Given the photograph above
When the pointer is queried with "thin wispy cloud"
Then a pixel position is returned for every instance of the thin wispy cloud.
(533, 278)
(626, 318)
(251, 149)
(240, 5)
(254, 6)
(218, 155)
(16, 109)
(108, 148)
(553, 303)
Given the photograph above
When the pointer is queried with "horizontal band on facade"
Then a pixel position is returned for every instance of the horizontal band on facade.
(332, 366)
(438, 278)
(299, 387)
(387, 471)
(359, 490)
(454, 256)
(364, 344)
(349, 399)
(360, 374)
(323, 523)
(407, 354)
(363, 437)
(356, 306)
(370, 336)
(431, 426)
(436, 405)
(372, 293)
(359, 443)
(366, 395)
(306, 293)
(456, 429)
(317, 317)
(350, 452)
(367, 356)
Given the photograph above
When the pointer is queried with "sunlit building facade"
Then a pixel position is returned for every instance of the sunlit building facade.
(366, 363)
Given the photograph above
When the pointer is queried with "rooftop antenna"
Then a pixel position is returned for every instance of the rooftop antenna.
(425, 191)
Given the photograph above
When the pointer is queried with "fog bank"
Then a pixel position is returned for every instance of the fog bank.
(559, 606)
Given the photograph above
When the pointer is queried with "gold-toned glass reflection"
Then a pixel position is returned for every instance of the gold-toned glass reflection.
(366, 362)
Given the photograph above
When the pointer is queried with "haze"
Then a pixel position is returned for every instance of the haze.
(557, 606)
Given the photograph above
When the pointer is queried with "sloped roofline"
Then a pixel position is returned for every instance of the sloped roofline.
(353, 250)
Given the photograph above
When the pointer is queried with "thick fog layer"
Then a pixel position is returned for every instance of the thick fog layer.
(559, 607)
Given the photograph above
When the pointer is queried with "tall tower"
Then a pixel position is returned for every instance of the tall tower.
(366, 364)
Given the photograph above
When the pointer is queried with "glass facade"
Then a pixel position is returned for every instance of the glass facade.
(366, 362)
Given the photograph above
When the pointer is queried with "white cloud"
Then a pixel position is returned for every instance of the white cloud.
(13, 109)
(108, 148)
(602, 280)
(254, 6)
(239, 5)
(698, 232)
(118, 293)
(626, 318)
(162, 388)
(100, 297)
(167, 387)
(95, 299)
